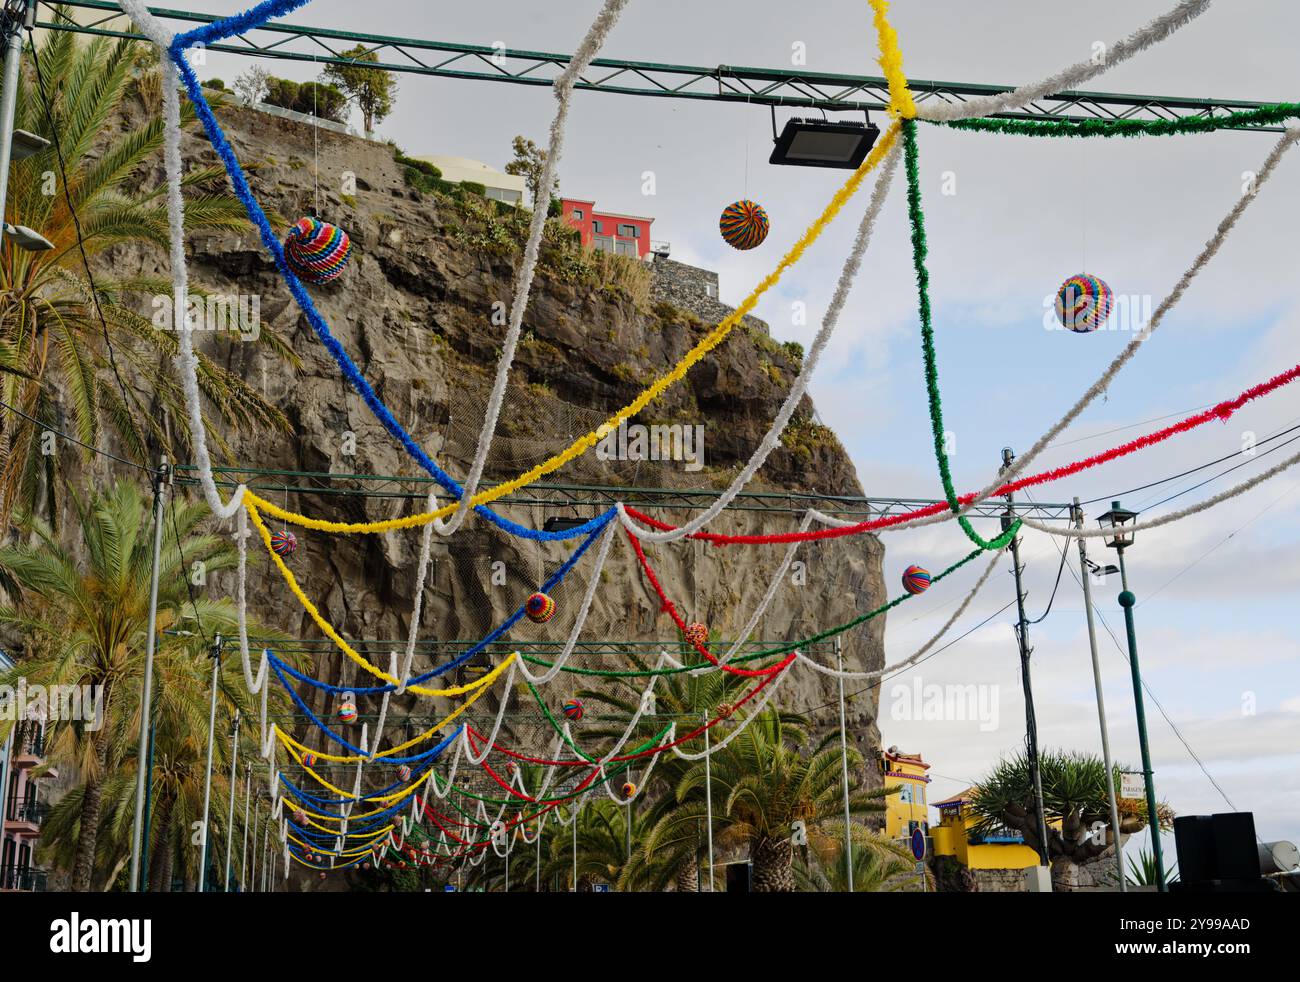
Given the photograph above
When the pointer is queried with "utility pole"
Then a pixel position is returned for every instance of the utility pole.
(161, 478)
(1022, 637)
(230, 817)
(1085, 574)
(844, 768)
(17, 14)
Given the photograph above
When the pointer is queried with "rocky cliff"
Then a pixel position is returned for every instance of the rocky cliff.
(415, 311)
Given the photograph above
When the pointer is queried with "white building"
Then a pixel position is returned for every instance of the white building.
(500, 187)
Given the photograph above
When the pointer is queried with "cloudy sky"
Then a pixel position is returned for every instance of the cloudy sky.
(1215, 618)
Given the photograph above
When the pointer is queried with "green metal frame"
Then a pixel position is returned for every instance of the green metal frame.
(723, 83)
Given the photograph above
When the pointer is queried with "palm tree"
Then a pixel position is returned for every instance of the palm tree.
(84, 623)
(1075, 799)
(53, 344)
(879, 864)
(762, 785)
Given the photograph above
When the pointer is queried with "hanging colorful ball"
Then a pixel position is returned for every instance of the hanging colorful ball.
(744, 224)
(348, 712)
(573, 709)
(1083, 303)
(309, 760)
(696, 634)
(916, 579)
(403, 773)
(284, 543)
(317, 251)
(629, 789)
(300, 817)
(540, 608)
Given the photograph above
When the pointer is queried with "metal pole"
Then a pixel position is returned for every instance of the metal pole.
(207, 773)
(1127, 600)
(243, 861)
(1085, 575)
(508, 865)
(252, 862)
(266, 849)
(1022, 638)
(13, 28)
(844, 766)
(148, 810)
(576, 810)
(537, 880)
(151, 640)
(230, 815)
(708, 801)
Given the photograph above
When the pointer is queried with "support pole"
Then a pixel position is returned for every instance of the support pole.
(1085, 575)
(243, 862)
(577, 808)
(1128, 601)
(844, 767)
(207, 772)
(708, 801)
(1022, 638)
(160, 480)
(230, 814)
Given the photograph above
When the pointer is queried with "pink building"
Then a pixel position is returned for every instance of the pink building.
(24, 809)
(625, 235)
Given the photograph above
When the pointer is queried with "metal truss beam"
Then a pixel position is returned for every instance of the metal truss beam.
(598, 498)
(721, 83)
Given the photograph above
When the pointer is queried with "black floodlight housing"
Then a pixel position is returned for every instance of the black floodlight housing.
(823, 143)
(562, 523)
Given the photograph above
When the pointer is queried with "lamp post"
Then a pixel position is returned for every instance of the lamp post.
(1120, 521)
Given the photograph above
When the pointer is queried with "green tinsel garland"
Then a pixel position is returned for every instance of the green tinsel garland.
(1263, 116)
(919, 251)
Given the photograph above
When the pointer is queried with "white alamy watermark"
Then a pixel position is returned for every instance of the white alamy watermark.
(946, 703)
(102, 935)
(1128, 312)
(229, 313)
(660, 441)
(47, 703)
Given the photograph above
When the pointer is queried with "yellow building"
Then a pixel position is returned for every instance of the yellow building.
(953, 836)
(905, 810)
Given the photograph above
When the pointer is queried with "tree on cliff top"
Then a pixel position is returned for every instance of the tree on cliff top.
(529, 162)
(372, 90)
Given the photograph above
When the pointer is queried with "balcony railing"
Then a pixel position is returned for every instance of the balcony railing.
(23, 878)
(27, 808)
(30, 739)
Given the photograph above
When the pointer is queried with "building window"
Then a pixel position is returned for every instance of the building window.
(597, 226)
(625, 248)
(920, 794)
(905, 794)
(605, 243)
(578, 214)
(711, 291)
(629, 231)
(504, 194)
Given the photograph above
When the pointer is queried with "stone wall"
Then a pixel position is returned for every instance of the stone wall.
(688, 288)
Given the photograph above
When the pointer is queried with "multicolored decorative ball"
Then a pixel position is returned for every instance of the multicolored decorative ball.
(1083, 303)
(308, 760)
(573, 709)
(916, 579)
(744, 224)
(300, 817)
(284, 542)
(540, 608)
(348, 712)
(696, 634)
(317, 251)
(629, 789)
(403, 773)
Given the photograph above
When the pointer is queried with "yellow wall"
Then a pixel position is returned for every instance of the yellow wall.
(899, 812)
(949, 839)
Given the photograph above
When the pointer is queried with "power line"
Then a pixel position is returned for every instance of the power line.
(73, 439)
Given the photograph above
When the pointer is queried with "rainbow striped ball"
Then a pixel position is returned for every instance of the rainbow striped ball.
(317, 251)
(744, 224)
(629, 789)
(573, 709)
(308, 760)
(348, 712)
(1083, 303)
(696, 634)
(284, 543)
(403, 773)
(916, 579)
(540, 608)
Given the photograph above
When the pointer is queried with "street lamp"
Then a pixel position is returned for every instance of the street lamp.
(822, 143)
(1120, 521)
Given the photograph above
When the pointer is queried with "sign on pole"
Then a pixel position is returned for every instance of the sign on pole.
(918, 844)
(1131, 784)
